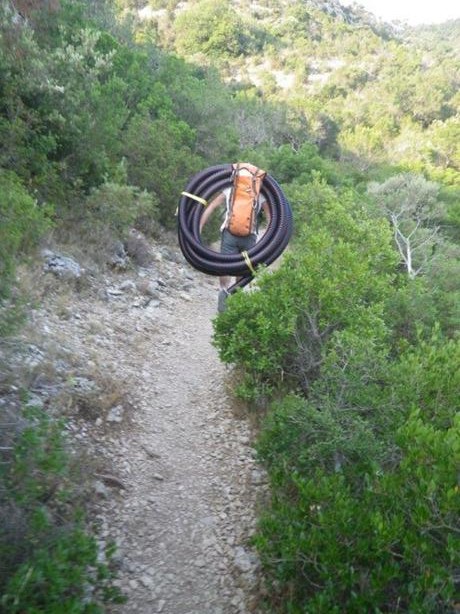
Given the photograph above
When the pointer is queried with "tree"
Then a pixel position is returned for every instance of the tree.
(445, 143)
(159, 158)
(411, 204)
(209, 27)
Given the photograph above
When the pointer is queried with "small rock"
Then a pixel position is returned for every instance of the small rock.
(149, 288)
(111, 480)
(147, 581)
(35, 401)
(128, 286)
(150, 453)
(153, 304)
(100, 489)
(244, 561)
(115, 414)
(200, 562)
(258, 477)
(61, 266)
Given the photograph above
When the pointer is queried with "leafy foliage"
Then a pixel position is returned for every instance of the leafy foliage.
(23, 221)
(350, 345)
(49, 560)
(393, 547)
(412, 206)
(158, 155)
(366, 490)
(209, 27)
(333, 281)
(119, 207)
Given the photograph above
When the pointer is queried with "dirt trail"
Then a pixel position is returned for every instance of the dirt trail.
(176, 483)
(185, 520)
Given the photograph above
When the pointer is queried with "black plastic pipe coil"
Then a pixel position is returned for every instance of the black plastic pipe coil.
(205, 185)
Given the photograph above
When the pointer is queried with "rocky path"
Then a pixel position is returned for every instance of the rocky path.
(176, 485)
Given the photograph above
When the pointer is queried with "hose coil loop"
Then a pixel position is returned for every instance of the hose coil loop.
(205, 185)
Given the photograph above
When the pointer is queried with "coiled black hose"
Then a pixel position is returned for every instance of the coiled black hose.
(205, 185)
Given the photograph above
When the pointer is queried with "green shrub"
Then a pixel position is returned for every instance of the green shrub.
(58, 574)
(49, 560)
(299, 438)
(160, 158)
(211, 28)
(333, 281)
(22, 224)
(365, 486)
(394, 547)
(120, 207)
(256, 333)
(428, 376)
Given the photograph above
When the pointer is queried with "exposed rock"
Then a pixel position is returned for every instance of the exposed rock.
(118, 259)
(115, 414)
(245, 561)
(149, 288)
(61, 266)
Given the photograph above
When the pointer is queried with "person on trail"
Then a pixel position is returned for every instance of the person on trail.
(230, 242)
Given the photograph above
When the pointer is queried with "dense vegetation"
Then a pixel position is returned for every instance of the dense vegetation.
(349, 351)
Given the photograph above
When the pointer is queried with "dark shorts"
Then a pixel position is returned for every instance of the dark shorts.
(231, 244)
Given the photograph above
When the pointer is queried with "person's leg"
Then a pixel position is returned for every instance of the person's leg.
(222, 300)
(228, 246)
(224, 282)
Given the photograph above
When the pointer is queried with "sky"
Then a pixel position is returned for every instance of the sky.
(414, 12)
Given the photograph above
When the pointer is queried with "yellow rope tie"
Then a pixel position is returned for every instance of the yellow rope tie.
(197, 198)
(248, 262)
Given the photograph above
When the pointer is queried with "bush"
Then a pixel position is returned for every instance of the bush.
(394, 547)
(365, 486)
(120, 207)
(362, 453)
(160, 158)
(428, 377)
(23, 222)
(256, 333)
(333, 281)
(299, 438)
(211, 28)
(57, 576)
(49, 561)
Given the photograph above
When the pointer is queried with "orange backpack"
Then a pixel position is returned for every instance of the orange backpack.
(244, 199)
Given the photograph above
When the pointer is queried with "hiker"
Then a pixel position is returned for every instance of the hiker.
(237, 239)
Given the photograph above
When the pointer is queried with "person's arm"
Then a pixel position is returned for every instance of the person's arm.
(216, 202)
(266, 210)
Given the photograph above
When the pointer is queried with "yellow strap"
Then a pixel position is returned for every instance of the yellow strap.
(248, 262)
(197, 198)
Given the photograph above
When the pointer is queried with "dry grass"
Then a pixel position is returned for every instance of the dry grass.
(91, 395)
(139, 249)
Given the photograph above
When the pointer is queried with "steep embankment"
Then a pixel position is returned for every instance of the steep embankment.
(172, 469)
